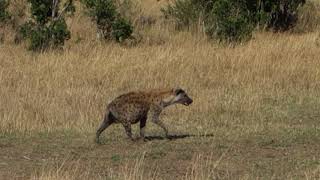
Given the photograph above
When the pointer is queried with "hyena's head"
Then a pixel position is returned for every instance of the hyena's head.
(181, 97)
(176, 96)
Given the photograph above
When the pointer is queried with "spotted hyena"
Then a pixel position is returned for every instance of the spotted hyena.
(135, 107)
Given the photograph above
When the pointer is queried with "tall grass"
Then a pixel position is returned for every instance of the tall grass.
(69, 90)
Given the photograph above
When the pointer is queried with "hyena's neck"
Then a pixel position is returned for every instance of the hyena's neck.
(164, 104)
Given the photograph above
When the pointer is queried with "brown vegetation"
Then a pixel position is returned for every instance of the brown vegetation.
(255, 112)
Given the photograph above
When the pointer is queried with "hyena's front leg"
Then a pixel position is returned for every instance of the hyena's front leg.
(154, 114)
(161, 124)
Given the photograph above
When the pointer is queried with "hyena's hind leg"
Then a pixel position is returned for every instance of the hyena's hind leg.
(142, 127)
(107, 121)
(127, 127)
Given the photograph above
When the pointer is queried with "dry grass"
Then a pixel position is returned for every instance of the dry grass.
(73, 169)
(249, 97)
(69, 90)
(309, 17)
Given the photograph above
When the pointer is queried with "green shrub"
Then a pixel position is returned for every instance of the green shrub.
(47, 28)
(229, 20)
(4, 15)
(234, 20)
(41, 10)
(121, 29)
(109, 22)
(282, 15)
(103, 12)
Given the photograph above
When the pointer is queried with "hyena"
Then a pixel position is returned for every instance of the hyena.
(135, 107)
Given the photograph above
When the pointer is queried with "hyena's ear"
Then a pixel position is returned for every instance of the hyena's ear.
(178, 91)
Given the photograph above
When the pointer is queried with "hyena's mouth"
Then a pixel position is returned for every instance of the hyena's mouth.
(187, 103)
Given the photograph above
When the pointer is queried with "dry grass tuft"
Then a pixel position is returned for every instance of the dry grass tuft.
(75, 169)
(309, 17)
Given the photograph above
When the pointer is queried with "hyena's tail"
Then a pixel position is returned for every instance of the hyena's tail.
(107, 121)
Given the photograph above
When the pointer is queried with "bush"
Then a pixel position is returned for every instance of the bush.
(234, 20)
(103, 12)
(229, 21)
(281, 15)
(47, 27)
(4, 15)
(121, 29)
(109, 22)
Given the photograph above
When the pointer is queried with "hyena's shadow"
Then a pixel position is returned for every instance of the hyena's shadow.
(176, 136)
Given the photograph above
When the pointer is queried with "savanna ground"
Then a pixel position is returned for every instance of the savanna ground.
(256, 110)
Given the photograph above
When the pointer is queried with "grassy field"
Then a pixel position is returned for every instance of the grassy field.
(256, 110)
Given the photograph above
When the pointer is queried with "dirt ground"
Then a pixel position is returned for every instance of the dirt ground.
(184, 157)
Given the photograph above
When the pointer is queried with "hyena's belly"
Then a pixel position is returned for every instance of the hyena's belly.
(131, 112)
(138, 115)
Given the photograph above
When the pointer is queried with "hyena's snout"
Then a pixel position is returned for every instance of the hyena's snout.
(183, 98)
(188, 101)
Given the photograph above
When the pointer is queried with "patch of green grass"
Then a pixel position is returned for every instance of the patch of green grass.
(185, 155)
(157, 155)
(115, 158)
(284, 137)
